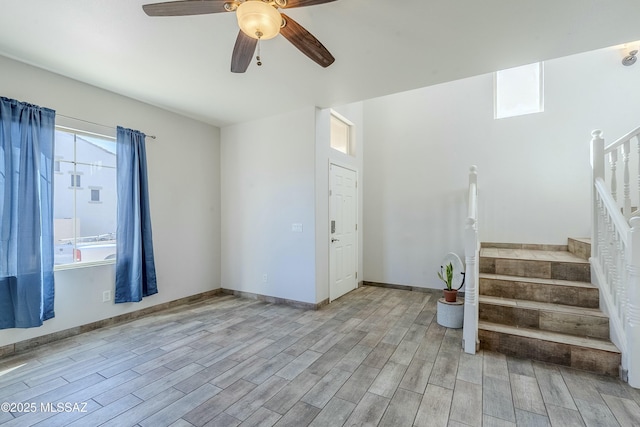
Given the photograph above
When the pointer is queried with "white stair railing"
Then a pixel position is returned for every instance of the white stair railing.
(615, 248)
(472, 273)
(624, 148)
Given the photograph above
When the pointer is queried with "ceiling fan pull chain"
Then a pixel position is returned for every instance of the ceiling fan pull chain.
(258, 55)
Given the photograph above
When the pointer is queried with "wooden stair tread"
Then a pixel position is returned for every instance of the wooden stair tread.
(535, 280)
(591, 343)
(532, 255)
(543, 306)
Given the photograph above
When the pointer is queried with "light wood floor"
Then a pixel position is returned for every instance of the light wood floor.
(374, 357)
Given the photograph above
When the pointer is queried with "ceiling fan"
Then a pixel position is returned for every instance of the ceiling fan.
(258, 20)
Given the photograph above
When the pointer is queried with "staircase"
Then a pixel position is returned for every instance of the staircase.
(537, 302)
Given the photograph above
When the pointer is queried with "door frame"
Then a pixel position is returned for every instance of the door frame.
(354, 169)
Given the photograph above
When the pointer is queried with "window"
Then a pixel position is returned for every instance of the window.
(84, 221)
(519, 91)
(75, 180)
(340, 138)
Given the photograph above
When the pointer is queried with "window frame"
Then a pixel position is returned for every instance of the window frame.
(76, 182)
(91, 193)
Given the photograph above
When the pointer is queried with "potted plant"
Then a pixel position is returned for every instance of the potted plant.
(450, 294)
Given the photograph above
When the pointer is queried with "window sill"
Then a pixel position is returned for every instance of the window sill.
(73, 266)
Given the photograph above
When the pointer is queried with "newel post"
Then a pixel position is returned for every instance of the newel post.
(473, 175)
(597, 154)
(597, 171)
(471, 249)
(470, 331)
(632, 318)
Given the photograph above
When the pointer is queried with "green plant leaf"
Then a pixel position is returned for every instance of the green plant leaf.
(447, 278)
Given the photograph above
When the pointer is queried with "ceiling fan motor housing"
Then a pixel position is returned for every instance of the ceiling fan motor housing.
(259, 19)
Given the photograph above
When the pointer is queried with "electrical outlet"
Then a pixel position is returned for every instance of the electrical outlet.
(106, 296)
(265, 278)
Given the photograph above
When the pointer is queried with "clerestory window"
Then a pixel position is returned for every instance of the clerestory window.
(519, 91)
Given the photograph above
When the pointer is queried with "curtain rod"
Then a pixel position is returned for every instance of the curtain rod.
(97, 124)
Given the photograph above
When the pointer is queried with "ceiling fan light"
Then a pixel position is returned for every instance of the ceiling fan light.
(258, 19)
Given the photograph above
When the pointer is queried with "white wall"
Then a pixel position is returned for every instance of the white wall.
(275, 172)
(267, 185)
(324, 156)
(184, 186)
(534, 173)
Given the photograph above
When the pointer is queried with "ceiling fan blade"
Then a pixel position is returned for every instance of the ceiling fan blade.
(301, 3)
(306, 42)
(185, 7)
(242, 53)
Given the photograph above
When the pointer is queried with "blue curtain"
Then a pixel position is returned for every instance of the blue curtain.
(26, 214)
(135, 268)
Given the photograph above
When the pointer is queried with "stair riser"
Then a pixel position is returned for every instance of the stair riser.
(578, 248)
(593, 360)
(541, 292)
(579, 272)
(566, 323)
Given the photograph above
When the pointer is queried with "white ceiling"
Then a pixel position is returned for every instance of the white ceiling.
(381, 47)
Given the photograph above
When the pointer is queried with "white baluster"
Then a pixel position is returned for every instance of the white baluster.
(611, 259)
(618, 264)
(626, 187)
(638, 145)
(600, 226)
(608, 230)
(597, 171)
(624, 273)
(613, 160)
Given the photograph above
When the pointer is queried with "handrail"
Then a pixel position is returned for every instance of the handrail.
(616, 216)
(618, 142)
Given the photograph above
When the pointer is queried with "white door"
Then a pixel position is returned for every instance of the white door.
(343, 237)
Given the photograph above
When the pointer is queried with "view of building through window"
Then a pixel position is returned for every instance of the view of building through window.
(519, 91)
(84, 198)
